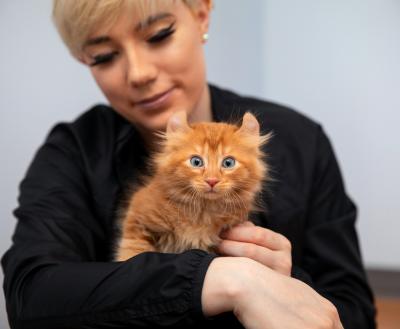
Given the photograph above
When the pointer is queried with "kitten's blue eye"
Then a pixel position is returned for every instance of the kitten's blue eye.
(196, 161)
(228, 162)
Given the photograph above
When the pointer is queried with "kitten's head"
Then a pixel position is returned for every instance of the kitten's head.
(211, 161)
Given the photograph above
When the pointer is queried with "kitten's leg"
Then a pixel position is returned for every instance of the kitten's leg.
(128, 248)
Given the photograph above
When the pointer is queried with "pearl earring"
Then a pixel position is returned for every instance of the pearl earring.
(205, 37)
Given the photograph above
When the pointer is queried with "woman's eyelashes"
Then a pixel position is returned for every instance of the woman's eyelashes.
(103, 58)
(162, 34)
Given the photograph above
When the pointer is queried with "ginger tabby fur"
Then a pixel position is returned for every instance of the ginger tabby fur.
(189, 201)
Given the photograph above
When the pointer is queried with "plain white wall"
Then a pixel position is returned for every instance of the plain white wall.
(337, 61)
(235, 50)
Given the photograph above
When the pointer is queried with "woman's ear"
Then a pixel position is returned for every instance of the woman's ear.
(81, 59)
(201, 13)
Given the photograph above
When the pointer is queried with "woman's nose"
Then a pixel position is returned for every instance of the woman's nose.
(141, 71)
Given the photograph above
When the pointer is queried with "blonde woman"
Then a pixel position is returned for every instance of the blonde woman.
(298, 267)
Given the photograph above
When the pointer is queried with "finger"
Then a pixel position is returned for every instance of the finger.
(258, 235)
(244, 249)
(246, 223)
(276, 260)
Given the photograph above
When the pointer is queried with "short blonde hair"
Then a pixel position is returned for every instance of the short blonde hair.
(76, 19)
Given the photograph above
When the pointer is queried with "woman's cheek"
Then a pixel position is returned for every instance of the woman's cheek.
(110, 81)
(187, 55)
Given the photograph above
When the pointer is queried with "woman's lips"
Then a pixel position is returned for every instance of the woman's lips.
(155, 101)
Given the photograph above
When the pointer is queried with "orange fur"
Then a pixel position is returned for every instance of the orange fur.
(175, 210)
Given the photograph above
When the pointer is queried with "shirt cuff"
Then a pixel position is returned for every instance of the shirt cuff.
(200, 267)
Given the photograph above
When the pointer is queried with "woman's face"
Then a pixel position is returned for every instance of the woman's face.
(150, 68)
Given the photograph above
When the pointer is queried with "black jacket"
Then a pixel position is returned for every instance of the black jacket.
(58, 272)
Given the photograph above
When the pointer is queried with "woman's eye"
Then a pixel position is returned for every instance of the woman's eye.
(103, 58)
(228, 162)
(196, 161)
(162, 34)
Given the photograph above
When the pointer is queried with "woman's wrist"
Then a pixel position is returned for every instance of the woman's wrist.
(225, 281)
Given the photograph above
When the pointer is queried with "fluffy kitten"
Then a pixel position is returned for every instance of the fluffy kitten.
(206, 179)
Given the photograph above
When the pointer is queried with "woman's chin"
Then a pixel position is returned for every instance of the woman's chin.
(157, 121)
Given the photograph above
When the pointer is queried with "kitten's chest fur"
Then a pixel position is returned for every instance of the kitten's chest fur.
(177, 225)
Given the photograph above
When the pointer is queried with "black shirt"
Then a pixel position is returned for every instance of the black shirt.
(59, 273)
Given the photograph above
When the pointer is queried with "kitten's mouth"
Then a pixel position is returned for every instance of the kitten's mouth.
(211, 194)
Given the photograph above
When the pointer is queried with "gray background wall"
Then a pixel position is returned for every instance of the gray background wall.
(336, 61)
(339, 61)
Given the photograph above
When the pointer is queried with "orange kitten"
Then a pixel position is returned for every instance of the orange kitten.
(206, 180)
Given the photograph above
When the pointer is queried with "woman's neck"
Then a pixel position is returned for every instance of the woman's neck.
(202, 111)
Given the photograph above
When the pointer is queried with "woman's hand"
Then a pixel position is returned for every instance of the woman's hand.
(262, 298)
(260, 244)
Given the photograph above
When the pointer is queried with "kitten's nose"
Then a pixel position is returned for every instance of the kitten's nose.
(212, 181)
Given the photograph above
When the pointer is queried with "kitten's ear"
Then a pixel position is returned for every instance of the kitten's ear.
(177, 123)
(250, 125)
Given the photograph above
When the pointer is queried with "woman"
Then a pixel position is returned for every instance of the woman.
(147, 58)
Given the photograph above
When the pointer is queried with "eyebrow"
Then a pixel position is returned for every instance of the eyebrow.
(151, 20)
(141, 25)
(96, 41)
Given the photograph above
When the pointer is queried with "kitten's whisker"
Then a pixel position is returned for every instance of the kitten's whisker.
(188, 201)
(225, 197)
(198, 202)
(189, 204)
(241, 198)
(182, 197)
(176, 196)
(241, 204)
(236, 202)
(195, 203)
(226, 204)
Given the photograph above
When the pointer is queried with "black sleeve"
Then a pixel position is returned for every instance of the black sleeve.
(332, 262)
(52, 278)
